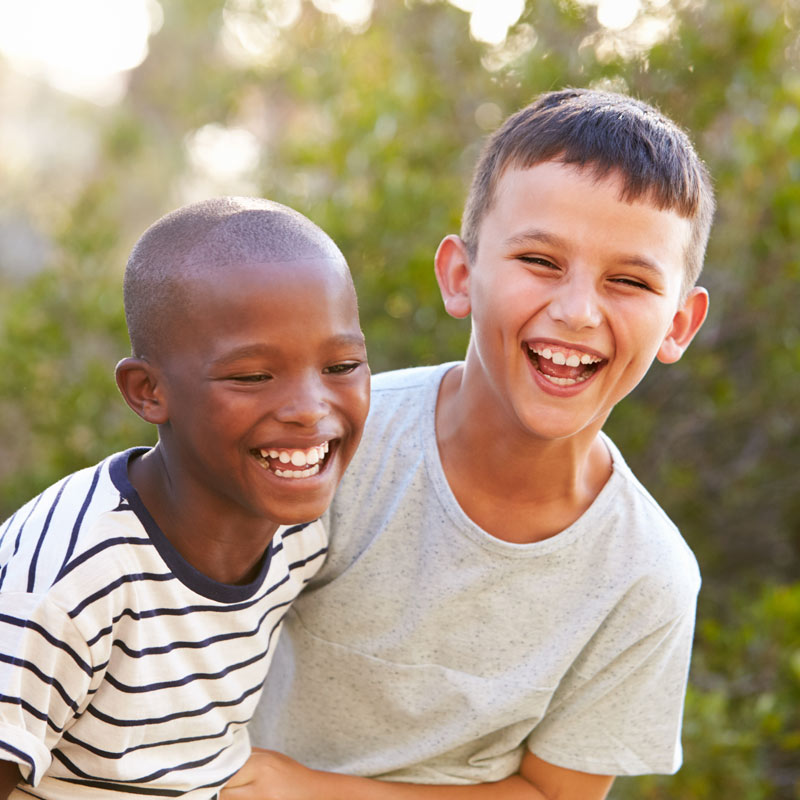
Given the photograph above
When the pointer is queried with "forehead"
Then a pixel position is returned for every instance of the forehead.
(584, 211)
(307, 301)
(280, 278)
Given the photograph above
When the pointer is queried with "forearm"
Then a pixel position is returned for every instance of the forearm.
(272, 776)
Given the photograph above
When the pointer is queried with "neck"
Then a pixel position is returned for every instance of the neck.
(225, 548)
(501, 473)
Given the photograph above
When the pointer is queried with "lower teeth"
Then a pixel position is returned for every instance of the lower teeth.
(297, 473)
(564, 381)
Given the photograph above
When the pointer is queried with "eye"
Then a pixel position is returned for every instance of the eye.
(257, 377)
(345, 368)
(632, 282)
(538, 261)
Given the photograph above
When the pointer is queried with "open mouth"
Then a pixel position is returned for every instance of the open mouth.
(562, 366)
(294, 464)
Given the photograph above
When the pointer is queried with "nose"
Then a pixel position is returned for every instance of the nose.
(576, 304)
(303, 401)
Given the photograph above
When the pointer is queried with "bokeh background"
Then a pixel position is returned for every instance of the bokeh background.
(367, 115)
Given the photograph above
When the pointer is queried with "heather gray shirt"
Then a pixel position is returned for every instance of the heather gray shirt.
(429, 651)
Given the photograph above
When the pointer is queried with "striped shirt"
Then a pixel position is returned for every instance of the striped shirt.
(122, 668)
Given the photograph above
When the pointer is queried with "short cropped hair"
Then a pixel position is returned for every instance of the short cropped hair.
(211, 235)
(604, 132)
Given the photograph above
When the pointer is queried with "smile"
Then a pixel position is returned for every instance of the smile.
(293, 464)
(562, 366)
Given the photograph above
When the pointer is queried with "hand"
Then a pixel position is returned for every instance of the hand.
(268, 775)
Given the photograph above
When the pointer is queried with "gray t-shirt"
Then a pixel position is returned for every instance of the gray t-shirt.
(429, 651)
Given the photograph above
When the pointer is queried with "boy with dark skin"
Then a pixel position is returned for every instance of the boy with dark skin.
(528, 609)
(141, 599)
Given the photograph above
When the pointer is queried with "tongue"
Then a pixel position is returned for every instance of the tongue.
(547, 367)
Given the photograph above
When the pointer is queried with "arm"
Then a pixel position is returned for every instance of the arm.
(9, 778)
(272, 776)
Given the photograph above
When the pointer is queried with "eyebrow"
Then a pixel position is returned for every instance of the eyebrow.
(268, 350)
(536, 235)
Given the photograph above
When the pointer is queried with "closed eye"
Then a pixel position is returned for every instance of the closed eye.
(632, 282)
(538, 260)
(254, 378)
(344, 368)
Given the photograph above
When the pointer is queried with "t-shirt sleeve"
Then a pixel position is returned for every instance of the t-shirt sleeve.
(45, 677)
(625, 717)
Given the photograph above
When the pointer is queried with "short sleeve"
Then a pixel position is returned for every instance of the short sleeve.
(625, 718)
(45, 677)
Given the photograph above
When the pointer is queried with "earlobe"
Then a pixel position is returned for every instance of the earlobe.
(685, 324)
(452, 274)
(139, 384)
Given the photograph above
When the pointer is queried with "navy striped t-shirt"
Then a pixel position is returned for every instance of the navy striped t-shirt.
(122, 668)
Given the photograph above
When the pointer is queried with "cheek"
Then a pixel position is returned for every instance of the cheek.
(359, 403)
(352, 403)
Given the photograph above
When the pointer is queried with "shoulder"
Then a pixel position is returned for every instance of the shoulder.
(402, 411)
(65, 522)
(411, 379)
(404, 393)
(305, 540)
(650, 546)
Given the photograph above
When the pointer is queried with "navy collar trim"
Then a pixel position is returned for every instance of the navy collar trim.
(188, 575)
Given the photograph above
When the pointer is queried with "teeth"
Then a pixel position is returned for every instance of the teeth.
(561, 358)
(298, 458)
(297, 473)
(565, 381)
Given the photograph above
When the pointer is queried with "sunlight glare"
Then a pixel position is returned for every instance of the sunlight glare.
(490, 19)
(223, 153)
(617, 15)
(82, 47)
(251, 29)
(355, 14)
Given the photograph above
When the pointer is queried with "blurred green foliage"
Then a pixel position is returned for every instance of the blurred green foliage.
(373, 134)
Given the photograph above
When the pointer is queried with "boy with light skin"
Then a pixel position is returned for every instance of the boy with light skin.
(140, 600)
(505, 612)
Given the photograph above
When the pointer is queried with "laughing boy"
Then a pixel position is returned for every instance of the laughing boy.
(140, 600)
(505, 611)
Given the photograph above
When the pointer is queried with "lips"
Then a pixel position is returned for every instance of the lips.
(563, 366)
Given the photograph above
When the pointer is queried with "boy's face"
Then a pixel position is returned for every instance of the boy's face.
(267, 388)
(573, 293)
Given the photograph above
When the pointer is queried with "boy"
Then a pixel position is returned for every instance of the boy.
(141, 599)
(518, 611)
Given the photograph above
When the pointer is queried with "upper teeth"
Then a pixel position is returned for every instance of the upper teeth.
(571, 359)
(299, 458)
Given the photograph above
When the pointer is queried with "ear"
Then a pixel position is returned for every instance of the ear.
(140, 385)
(685, 324)
(452, 273)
